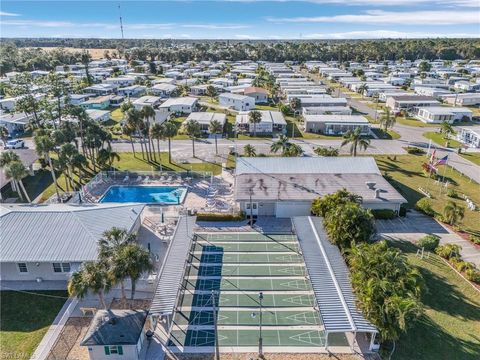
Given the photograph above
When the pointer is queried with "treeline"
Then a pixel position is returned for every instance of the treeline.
(24, 54)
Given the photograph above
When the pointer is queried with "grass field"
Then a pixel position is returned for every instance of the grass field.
(406, 176)
(413, 122)
(450, 327)
(95, 53)
(25, 320)
(473, 157)
(388, 135)
(438, 139)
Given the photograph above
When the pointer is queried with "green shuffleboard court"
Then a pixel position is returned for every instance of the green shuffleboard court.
(229, 270)
(249, 300)
(250, 270)
(239, 258)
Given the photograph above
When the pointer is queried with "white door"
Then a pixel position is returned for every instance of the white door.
(254, 209)
(290, 209)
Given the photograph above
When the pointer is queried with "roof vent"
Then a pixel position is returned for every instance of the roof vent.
(112, 321)
(377, 193)
(371, 184)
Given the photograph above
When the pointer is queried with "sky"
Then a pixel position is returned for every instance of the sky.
(242, 19)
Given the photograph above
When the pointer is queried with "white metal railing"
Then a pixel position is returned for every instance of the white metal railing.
(53, 333)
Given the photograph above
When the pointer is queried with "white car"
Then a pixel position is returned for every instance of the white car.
(15, 144)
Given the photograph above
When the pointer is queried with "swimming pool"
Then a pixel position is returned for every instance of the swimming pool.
(165, 195)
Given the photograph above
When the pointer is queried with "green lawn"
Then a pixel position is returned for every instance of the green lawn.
(413, 122)
(405, 174)
(389, 135)
(473, 157)
(25, 320)
(116, 115)
(130, 162)
(438, 139)
(450, 327)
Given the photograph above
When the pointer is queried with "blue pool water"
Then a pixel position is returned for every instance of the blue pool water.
(168, 195)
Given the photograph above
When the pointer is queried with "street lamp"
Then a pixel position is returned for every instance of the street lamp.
(260, 339)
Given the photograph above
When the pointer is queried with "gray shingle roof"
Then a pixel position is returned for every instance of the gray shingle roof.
(330, 278)
(115, 327)
(63, 233)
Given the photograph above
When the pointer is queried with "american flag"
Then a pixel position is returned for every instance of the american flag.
(442, 161)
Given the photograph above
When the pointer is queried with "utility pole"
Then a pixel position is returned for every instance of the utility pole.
(121, 21)
(260, 339)
(215, 332)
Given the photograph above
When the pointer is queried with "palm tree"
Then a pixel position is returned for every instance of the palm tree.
(362, 89)
(157, 131)
(446, 129)
(170, 132)
(43, 145)
(85, 59)
(249, 151)
(135, 123)
(326, 151)
(93, 277)
(16, 171)
(67, 153)
(128, 130)
(295, 104)
(254, 118)
(387, 120)
(215, 128)
(192, 128)
(356, 140)
(4, 135)
(109, 246)
(211, 92)
(107, 157)
(281, 144)
(149, 113)
(293, 150)
(453, 213)
(135, 260)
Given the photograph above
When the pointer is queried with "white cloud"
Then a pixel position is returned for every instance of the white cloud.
(4, 13)
(463, 3)
(386, 34)
(37, 23)
(245, 37)
(433, 17)
(150, 26)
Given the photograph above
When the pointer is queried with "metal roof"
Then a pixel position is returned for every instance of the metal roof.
(306, 165)
(61, 232)
(330, 278)
(173, 268)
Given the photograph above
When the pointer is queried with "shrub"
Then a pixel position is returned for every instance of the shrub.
(383, 214)
(448, 251)
(424, 205)
(322, 205)
(464, 266)
(452, 193)
(473, 275)
(475, 239)
(220, 217)
(414, 150)
(429, 242)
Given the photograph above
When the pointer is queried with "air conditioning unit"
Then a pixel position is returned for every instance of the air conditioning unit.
(39, 279)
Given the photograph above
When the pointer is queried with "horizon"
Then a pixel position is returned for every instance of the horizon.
(242, 19)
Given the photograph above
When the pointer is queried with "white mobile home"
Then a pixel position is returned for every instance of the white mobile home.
(272, 121)
(205, 118)
(469, 135)
(237, 102)
(336, 124)
(180, 105)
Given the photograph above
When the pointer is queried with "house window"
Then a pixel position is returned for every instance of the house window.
(61, 267)
(22, 267)
(113, 350)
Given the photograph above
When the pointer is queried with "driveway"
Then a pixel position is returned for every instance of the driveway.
(417, 225)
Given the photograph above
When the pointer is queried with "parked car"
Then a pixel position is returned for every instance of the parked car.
(15, 144)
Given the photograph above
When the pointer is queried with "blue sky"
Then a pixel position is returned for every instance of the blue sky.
(242, 19)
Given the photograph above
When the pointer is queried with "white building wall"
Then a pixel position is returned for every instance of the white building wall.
(98, 353)
(10, 272)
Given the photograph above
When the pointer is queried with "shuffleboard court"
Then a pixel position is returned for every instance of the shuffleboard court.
(251, 270)
(250, 300)
(289, 284)
(227, 317)
(256, 237)
(246, 247)
(291, 338)
(237, 267)
(260, 258)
